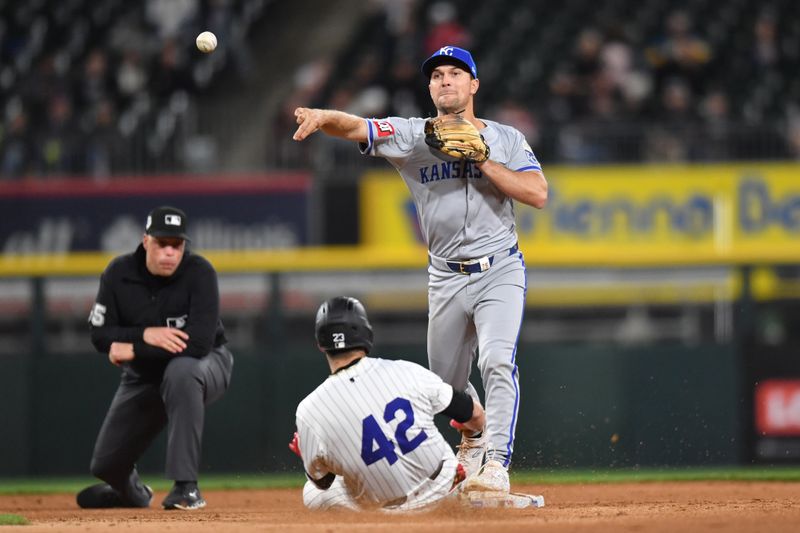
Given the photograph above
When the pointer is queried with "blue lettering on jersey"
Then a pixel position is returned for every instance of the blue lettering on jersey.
(401, 434)
(468, 171)
(375, 445)
(447, 170)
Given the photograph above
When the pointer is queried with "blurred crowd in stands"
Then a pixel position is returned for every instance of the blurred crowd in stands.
(586, 81)
(102, 88)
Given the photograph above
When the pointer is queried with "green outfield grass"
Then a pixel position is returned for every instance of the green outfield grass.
(295, 480)
(628, 475)
(13, 520)
(55, 485)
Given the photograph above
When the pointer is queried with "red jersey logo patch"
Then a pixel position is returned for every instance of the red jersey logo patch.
(383, 128)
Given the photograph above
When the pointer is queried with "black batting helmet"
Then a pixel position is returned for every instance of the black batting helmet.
(342, 325)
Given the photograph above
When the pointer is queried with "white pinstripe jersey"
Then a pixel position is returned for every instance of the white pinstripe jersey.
(372, 423)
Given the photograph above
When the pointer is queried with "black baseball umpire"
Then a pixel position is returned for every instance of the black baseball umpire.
(157, 317)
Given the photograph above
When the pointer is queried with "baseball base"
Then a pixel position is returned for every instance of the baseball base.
(512, 500)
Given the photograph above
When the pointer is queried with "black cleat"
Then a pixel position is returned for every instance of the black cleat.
(103, 496)
(185, 498)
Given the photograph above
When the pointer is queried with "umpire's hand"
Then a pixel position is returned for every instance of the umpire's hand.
(120, 352)
(170, 339)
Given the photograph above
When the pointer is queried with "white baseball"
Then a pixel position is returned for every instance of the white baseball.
(206, 42)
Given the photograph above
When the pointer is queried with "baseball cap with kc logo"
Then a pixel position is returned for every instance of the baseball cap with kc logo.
(450, 55)
(166, 221)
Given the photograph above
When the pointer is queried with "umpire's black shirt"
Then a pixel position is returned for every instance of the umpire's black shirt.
(131, 299)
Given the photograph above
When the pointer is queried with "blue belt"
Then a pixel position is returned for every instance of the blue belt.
(473, 266)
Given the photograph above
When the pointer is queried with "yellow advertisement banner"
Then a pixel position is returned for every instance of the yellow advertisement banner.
(709, 212)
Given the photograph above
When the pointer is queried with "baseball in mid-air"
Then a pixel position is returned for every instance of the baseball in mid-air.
(206, 42)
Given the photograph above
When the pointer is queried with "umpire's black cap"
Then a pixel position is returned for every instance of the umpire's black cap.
(166, 221)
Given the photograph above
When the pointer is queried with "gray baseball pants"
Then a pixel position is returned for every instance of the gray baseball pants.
(141, 409)
(483, 312)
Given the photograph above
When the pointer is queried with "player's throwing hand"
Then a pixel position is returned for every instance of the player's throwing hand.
(309, 121)
(330, 121)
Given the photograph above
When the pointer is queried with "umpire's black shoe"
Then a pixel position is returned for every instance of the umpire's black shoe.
(103, 496)
(186, 497)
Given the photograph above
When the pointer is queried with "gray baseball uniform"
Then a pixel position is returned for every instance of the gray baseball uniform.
(477, 280)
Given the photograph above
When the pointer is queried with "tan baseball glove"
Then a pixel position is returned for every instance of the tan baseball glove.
(455, 136)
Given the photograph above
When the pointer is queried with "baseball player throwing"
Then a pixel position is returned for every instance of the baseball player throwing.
(464, 174)
(366, 435)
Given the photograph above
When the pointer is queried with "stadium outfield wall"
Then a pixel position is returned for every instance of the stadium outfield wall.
(619, 216)
(628, 217)
(635, 215)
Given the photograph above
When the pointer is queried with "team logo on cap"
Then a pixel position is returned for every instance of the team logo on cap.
(149, 222)
(446, 50)
(172, 220)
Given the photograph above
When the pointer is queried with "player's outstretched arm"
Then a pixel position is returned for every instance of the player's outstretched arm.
(332, 122)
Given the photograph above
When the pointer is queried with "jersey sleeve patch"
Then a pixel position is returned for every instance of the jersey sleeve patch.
(383, 128)
(532, 163)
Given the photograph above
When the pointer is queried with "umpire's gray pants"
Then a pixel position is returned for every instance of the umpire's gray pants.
(140, 410)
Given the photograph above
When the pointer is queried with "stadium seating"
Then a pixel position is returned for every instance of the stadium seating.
(109, 88)
(102, 88)
(625, 80)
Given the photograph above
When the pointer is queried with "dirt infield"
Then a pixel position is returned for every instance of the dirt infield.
(659, 507)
